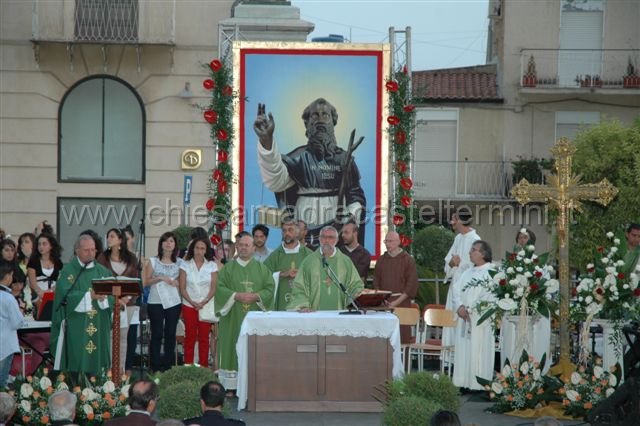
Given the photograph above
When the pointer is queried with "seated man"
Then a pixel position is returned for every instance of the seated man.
(143, 396)
(212, 396)
(62, 408)
(315, 287)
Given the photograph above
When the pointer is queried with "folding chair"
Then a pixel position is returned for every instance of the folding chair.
(411, 317)
(435, 318)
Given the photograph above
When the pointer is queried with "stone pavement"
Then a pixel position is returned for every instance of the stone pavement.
(470, 412)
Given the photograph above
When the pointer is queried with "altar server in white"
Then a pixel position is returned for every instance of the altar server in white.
(474, 344)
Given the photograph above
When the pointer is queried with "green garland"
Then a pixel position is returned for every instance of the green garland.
(401, 125)
(219, 114)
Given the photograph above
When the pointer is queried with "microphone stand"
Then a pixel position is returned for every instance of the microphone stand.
(332, 275)
(140, 250)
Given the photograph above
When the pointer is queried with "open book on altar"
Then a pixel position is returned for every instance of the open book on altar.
(372, 298)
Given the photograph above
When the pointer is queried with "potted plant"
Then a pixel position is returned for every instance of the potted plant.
(631, 79)
(530, 79)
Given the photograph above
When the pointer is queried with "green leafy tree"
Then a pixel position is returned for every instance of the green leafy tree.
(608, 150)
(430, 246)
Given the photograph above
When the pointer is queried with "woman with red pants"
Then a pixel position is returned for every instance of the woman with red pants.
(198, 278)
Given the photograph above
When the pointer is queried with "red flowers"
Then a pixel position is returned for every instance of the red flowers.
(222, 186)
(401, 166)
(393, 120)
(538, 274)
(215, 65)
(406, 183)
(391, 86)
(404, 240)
(217, 174)
(621, 275)
(406, 201)
(600, 249)
(401, 137)
(210, 116)
(227, 91)
(599, 290)
(409, 108)
(222, 135)
(215, 239)
(223, 156)
(221, 225)
(210, 204)
(208, 84)
(534, 287)
(398, 219)
(503, 282)
(636, 292)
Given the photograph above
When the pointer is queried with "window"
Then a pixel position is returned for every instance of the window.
(569, 123)
(101, 133)
(106, 20)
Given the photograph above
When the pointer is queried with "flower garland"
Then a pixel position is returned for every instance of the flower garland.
(98, 401)
(401, 125)
(219, 115)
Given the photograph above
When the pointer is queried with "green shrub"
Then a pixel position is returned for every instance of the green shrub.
(430, 246)
(180, 400)
(185, 373)
(409, 411)
(435, 387)
(183, 235)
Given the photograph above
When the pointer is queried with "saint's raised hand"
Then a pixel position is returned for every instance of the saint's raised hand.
(264, 127)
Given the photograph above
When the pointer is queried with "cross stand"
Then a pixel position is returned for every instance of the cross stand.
(116, 288)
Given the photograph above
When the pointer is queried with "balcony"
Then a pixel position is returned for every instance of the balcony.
(609, 71)
(464, 180)
(104, 23)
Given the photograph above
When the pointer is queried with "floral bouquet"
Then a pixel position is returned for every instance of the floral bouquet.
(521, 286)
(98, 401)
(608, 291)
(587, 387)
(520, 386)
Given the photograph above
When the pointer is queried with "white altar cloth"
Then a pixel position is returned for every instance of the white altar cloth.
(321, 323)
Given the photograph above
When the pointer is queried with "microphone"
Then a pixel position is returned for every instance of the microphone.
(324, 261)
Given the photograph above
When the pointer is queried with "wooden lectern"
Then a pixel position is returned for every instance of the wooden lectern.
(117, 287)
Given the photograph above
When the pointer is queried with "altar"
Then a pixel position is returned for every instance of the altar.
(318, 361)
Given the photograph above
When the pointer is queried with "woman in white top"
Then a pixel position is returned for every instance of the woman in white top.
(44, 265)
(164, 305)
(198, 278)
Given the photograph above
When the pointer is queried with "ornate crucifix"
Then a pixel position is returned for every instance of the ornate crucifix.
(564, 194)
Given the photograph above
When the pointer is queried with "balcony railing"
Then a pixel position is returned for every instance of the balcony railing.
(477, 180)
(104, 21)
(575, 68)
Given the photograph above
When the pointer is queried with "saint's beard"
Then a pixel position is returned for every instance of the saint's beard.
(322, 141)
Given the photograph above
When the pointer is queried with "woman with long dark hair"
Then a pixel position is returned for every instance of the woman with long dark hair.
(198, 279)
(8, 255)
(121, 262)
(26, 246)
(44, 265)
(160, 275)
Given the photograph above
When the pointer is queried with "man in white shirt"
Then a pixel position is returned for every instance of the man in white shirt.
(11, 319)
(457, 259)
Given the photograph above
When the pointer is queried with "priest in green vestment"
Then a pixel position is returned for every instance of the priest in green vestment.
(314, 289)
(86, 344)
(285, 260)
(244, 284)
(632, 254)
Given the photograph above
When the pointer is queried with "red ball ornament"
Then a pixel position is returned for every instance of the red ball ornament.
(398, 219)
(208, 84)
(401, 137)
(222, 186)
(409, 108)
(401, 166)
(391, 86)
(210, 116)
(393, 120)
(223, 156)
(221, 225)
(406, 183)
(217, 174)
(405, 70)
(215, 239)
(227, 91)
(215, 65)
(210, 204)
(406, 201)
(404, 240)
(222, 135)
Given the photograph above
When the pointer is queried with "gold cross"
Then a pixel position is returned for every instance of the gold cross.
(245, 307)
(248, 285)
(564, 194)
(90, 347)
(91, 329)
(92, 313)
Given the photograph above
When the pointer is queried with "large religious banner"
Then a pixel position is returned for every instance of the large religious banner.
(312, 137)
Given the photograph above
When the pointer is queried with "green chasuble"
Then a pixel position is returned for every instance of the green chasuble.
(235, 278)
(281, 260)
(88, 324)
(313, 288)
(630, 259)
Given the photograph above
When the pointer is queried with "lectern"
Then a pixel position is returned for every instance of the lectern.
(117, 287)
